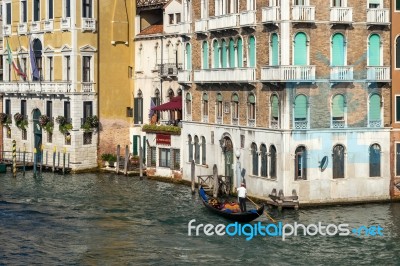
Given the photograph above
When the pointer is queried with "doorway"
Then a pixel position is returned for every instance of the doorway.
(37, 133)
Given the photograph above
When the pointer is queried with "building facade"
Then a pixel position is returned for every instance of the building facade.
(298, 90)
(50, 78)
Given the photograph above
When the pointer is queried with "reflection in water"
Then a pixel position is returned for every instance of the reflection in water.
(108, 219)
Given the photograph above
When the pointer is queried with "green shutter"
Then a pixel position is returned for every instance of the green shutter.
(398, 51)
(205, 55)
(275, 107)
(397, 108)
(223, 52)
(144, 148)
(219, 97)
(235, 98)
(300, 49)
(397, 5)
(252, 51)
(338, 106)
(275, 50)
(375, 107)
(376, 2)
(240, 52)
(338, 50)
(251, 98)
(189, 56)
(136, 139)
(300, 107)
(205, 97)
(136, 111)
(232, 53)
(216, 54)
(374, 50)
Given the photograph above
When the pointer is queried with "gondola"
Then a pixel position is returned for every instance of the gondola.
(242, 217)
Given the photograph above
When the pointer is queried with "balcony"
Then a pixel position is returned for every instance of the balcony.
(88, 24)
(271, 14)
(248, 18)
(87, 87)
(275, 124)
(301, 124)
(375, 123)
(235, 121)
(201, 26)
(341, 15)
(303, 14)
(251, 122)
(185, 28)
(167, 127)
(184, 76)
(229, 21)
(219, 120)
(378, 16)
(35, 26)
(7, 30)
(37, 88)
(66, 23)
(338, 123)
(48, 25)
(225, 75)
(22, 28)
(378, 74)
(341, 73)
(288, 73)
(169, 69)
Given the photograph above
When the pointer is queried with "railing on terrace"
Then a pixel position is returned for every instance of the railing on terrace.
(271, 14)
(375, 123)
(342, 73)
(248, 18)
(341, 14)
(303, 13)
(301, 124)
(275, 124)
(223, 22)
(88, 24)
(201, 25)
(184, 76)
(87, 87)
(251, 122)
(235, 121)
(225, 75)
(378, 16)
(338, 124)
(36, 87)
(169, 69)
(288, 73)
(378, 73)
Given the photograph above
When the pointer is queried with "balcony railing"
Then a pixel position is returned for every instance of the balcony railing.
(301, 124)
(48, 25)
(275, 124)
(35, 26)
(36, 87)
(88, 24)
(288, 73)
(375, 123)
(184, 76)
(338, 123)
(225, 75)
(219, 120)
(248, 18)
(66, 23)
(188, 117)
(341, 15)
(235, 121)
(205, 118)
(378, 16)
(169, 69)
(201, 25)
(379, 73)
(7, 30)
(251, 122)
(342, 73)
(271, 14)
(185, 28)
(223, 22)
(87, 87)
(22, 28)
(303, 13)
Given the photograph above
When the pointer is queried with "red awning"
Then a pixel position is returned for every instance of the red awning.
(174, 105)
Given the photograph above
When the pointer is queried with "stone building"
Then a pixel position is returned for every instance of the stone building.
(299, 90)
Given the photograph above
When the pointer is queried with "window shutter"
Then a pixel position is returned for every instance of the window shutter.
(216, 54)
(252, 52)
(223, 54)
(136, 139)
(300, 107)
(300, 49)
(397, 5)
(338, 106)
(240, 52)
(275, 50)
(375, 107)
(397, 108)
(275, 107)
(338, 50)
(144, 148)
(188, 57)
(136, 110)
(398, 50)
(232, 53)
(374, 50)
(205, 55)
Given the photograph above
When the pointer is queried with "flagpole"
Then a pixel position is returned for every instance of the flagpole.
(10, 63)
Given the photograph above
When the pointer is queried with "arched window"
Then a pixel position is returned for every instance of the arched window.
(274, 54)
(254, 156)
(240, 52)
(156, 100)
(398, 52)
(205, 105)
(138, 108)
(171, 94)
(300, 163)
(374, 160)
(190, 146)
(338, 111)
(224, 58)
(374, 111)
(188, 104)
(264, 160)
(219, 105)
(37, 72)
(338, 50)
(374, 50)
(205, 55)
(188, 57)
(300, 112)
(338, 161)
(252, 51)
(272, 169)
(196, 150)
(252, 106)
(300, 49)
(203, 151)
(274, 111)
(232, 53)
(216, 54)
(235, 108)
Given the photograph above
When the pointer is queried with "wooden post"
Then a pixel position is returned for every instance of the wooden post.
(216, 183)
(58, 159)
(63, 169)
(41, 160)
(68, 161)
(34, 162)
(126, 160)
(54, 158)
(14, 157)
(23, 160)
(47, 162)
(140, 162)
(118, 152)
(192, 175)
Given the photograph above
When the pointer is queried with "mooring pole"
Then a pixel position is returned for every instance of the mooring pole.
(23, 160)
(126, 160)
(216, 183)
(14, 156)
(58, 159)
(41, 160)
(68, 160)
(118, 153)
(140, 161)
(63, 170)
(192, 175)
(34, 162)
(54, 159)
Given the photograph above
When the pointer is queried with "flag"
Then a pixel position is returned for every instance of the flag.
(35, 70)
(152, 105)
(11, 61)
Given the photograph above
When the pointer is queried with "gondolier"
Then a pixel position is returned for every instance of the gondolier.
(242, 197)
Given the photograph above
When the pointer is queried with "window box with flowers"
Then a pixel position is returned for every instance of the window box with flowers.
(21, 121)
(90, 123)
(46, 124)
(64, 124)
(5, 119)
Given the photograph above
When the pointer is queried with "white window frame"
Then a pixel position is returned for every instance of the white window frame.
(48, 61)
(204, 9)
(344, 109)
(380, 5)
(21, 12)
(380, 108)
(345, 47)
(48, 9)
(91, 73)
(380, 48)
(33, 11)
(270, 49)
(343, 3)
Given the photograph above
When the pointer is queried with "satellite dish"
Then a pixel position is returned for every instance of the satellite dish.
(324, 163)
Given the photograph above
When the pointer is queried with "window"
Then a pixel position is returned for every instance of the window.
(239, 52)
(264, 160)
(300, 50)
(23, 108)
(87, 138)
(374, 50)
(37, 49)
(50, 65)
(36, 10)
(338, 50)
(86, 69)
(87, 8)
(299, 2)
(8, 13)
(272, 170)
(254, 156)
(205, 104)
(338, 3)
(338, 108)
(397, 108)
(49, 109)
(235, 106)
(205, 55)
(397, 159)
(224, 59)
(374, 111)
(50, 9)
(164, 160)
(216, 54)
(375, 160)
(274, 111)
(151, 156)
(190, 147)
(374, 4)
(252, 107)
(178, 18)
(232, 62)
(188, 57)
(87, 110)
(67, 8)
(67, 68)
(204, 9)
(251, 4)
(397, 5)
(176, 157)
(300, 112)
(138, 108)
(252, 51)
(23, 9)
(171, 19)
(398, 51)
(188, 104)
(67, 111)
(300, 163)
(219, 105)
(203, 151)
(338, 161)
(274, 50)
(196, 150)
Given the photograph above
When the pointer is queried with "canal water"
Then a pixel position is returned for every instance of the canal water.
(115, 220)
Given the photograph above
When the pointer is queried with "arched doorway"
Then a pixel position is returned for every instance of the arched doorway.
(227, 149)
(37, 132)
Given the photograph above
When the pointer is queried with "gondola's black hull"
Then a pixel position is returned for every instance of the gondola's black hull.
(237, 217)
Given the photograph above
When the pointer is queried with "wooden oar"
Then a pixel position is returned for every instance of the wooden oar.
(269, 217)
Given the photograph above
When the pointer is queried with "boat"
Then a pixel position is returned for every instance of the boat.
(242, 217)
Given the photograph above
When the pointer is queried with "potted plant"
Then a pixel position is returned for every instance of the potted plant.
(5, 120)
(63, 125)
(20, 121)
(90, 123)
(46, 124)
(108, 159)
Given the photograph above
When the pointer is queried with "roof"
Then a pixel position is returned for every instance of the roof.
(173, 105)
(153, 29)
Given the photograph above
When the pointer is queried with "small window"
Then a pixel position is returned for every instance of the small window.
(254, 156)
(190, 148)
(272, 171)
(87, 8)
(235, 106)
(301, 163)
(50, 9)
(87, 138)
(177, 158)
(205, 104)
(252, 106)
(219, 105)
(203, 151)
(398, 51)
(151, 156)
(171, 19)
(397, 108)
(36, 10)
(375, 160)
(177, 18)
(338, 161)
(86, 69)
(188, 104)
(196, 150)
(264, 160)
(24, 134)
(49, 109)
(165, 157)
(397, 5)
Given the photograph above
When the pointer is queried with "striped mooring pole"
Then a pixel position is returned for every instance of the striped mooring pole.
(14, 157)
